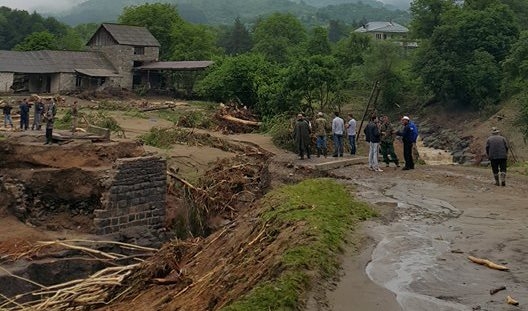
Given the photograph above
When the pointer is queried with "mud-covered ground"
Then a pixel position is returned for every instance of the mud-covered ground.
(415, 256)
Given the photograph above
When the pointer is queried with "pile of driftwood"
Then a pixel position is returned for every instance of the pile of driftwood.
(231, 186)
(81, 294)
(231, 119)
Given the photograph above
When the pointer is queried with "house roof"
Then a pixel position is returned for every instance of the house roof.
(183, 65)
(383, 27)
(129, 35)
(53, 61)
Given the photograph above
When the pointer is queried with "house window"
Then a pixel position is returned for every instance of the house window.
(139, 50)
(78, 81)
(378, 36)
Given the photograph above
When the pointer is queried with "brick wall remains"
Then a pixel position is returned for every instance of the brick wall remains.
(136, 196)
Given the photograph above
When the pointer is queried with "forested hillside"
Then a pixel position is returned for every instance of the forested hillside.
(216, 12)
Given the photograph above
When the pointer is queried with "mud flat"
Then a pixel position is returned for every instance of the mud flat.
(440, 215)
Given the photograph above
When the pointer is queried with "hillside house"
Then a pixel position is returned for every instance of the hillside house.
(387, 31)
(117, 55)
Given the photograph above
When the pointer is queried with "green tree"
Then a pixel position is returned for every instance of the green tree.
(318, 43)
(158, 18)
(193, 42)
(515, 67)
(336, 30)
(278, 37)
(383, 63)
(315, 80)
(236, 40)
(70, 41)
(38, 41)
(468, 39)
(427, 15)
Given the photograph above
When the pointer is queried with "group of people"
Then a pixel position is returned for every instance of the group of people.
(44, 110)
(303, 130)
(379, 134)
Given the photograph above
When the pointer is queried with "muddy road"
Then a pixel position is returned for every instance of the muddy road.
(432, 219)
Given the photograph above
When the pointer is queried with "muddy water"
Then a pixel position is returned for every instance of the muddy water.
(439, 216)
(434, 156)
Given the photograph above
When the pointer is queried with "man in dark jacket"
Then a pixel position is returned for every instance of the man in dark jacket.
(373, 137)
(39, 110)
(301, 135)
(407, 138)
(7, 115)
(497, 151)
(24, 115)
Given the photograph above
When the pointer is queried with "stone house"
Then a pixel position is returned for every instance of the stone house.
(116, 55)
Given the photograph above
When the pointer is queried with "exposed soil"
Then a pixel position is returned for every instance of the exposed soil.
(414, 256)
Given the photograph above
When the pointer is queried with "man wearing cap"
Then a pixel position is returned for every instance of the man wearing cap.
(320, 131)
(407, 139)
(497, 152)
(301, 135)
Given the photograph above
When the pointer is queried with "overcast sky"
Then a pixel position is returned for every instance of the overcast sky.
(44, 5)
(62, 5)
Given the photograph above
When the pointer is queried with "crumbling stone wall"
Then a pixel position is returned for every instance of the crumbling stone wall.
(6, 80)
(136, 196)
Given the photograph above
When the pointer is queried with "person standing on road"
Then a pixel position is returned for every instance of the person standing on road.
(7, 114)
(497, 152)
(301, 135)
(338, 129)
(49, 118)
(320, 127)
(387, 142)
(373, 137)
(38, 111)
(351, 132)
(24, 115)
(407, 139)
(74, 115)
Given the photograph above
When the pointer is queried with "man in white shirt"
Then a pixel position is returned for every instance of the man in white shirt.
(351, 131)
(338, 128)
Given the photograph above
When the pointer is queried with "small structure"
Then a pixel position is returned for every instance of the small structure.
(120, 56)
(388, 31)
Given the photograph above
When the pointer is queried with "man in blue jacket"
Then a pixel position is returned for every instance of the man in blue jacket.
(407, 137)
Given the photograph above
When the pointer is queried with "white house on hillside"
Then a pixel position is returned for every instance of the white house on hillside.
(388, 31)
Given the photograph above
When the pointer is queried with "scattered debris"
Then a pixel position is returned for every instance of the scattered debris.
(511, 301)
(488, 263)
(232, 119)
(496, 290)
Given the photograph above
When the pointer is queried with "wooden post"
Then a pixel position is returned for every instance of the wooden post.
(374, 89)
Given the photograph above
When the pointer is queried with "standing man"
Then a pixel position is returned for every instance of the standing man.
(387, 142)
(74, 115)
(38, 110)
(24, 115)
(351, 132)
(7, 114)
(338, 128)
(301, 135)
(49, 126)
(320, 131)
(373, 137)
(407, 138)
(497, 151)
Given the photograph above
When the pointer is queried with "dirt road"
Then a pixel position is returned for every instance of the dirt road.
(432, 219)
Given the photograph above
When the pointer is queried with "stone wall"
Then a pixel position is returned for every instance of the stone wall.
(6, 80)
(136, 196)
(122, 58)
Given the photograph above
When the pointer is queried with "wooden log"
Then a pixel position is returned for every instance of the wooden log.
(488, 263)
(240, 121)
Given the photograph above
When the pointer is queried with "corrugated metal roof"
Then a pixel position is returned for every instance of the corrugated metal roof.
(383, 27)
(183, 65)
(52, 61)
(131, 35)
